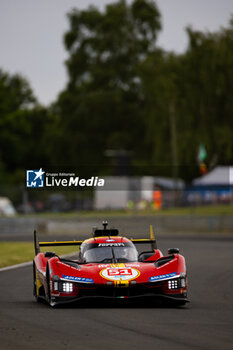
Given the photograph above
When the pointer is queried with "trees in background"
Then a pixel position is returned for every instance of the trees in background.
(102, 105)
(23, 128)
(197, 86)
(125, 93)
(207, 86)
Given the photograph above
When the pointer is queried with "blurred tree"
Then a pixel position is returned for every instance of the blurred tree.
(158, 74)
(24, 127)
(199, 84)
(102, 106)
(124, 93)
(206, 87)
(15, 93)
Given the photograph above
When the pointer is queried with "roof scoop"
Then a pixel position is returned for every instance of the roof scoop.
(105, 231)
(105, 224)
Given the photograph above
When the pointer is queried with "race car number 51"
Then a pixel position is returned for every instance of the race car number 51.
(119, 274)
(116, 272)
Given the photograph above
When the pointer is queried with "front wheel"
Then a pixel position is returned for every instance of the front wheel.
(35, 284)
(48, 295)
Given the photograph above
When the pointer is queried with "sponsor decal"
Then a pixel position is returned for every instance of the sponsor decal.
(133, 265)
(119, 265)
(162, 277)
(110, 240)
(35, 178)
(78, 279)
(111, 245)
(119, 274)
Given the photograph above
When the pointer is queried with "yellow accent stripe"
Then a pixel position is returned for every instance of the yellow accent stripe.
(142, 240)
(152, 235)
(117, 265)
(38, 283)
(57, 243)
(121, 283)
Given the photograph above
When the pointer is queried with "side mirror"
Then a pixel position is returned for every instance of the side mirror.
(49, 254)
(173, 251)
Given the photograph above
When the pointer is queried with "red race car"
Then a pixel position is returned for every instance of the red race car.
(109, 266)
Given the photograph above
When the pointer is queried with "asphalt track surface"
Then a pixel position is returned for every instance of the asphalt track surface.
(205, 323)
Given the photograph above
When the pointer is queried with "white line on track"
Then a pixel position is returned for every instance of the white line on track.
(15, 266)
(12, 267)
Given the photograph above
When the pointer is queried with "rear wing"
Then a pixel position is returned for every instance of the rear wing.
(38, 244)
(151, 240)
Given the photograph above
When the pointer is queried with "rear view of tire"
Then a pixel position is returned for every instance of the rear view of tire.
(48, 296)
(35, 284)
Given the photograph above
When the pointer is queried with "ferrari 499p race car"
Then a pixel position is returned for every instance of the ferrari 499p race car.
(109, 266)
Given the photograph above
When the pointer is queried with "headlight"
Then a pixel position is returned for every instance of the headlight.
(67, 287)
(177, 283)
(173, 284)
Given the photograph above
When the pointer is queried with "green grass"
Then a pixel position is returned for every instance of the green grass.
(78, 214)
(198, 210)
(12, 253)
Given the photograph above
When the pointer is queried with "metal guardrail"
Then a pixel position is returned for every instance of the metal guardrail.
(16, 226)
(137, 224)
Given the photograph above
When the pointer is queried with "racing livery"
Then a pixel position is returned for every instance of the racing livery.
(109, 266)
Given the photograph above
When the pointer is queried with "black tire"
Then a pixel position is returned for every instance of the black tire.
(34, 284)
(48, 295)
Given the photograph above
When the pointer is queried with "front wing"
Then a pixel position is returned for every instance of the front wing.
(156, 291)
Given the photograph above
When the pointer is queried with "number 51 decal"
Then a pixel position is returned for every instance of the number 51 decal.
(119, 272)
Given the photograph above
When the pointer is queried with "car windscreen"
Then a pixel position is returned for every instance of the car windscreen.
(121, 252)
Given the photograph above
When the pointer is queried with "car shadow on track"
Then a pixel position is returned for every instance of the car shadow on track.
(119, 304)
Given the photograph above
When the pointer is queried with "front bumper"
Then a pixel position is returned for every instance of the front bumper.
(155, 292)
